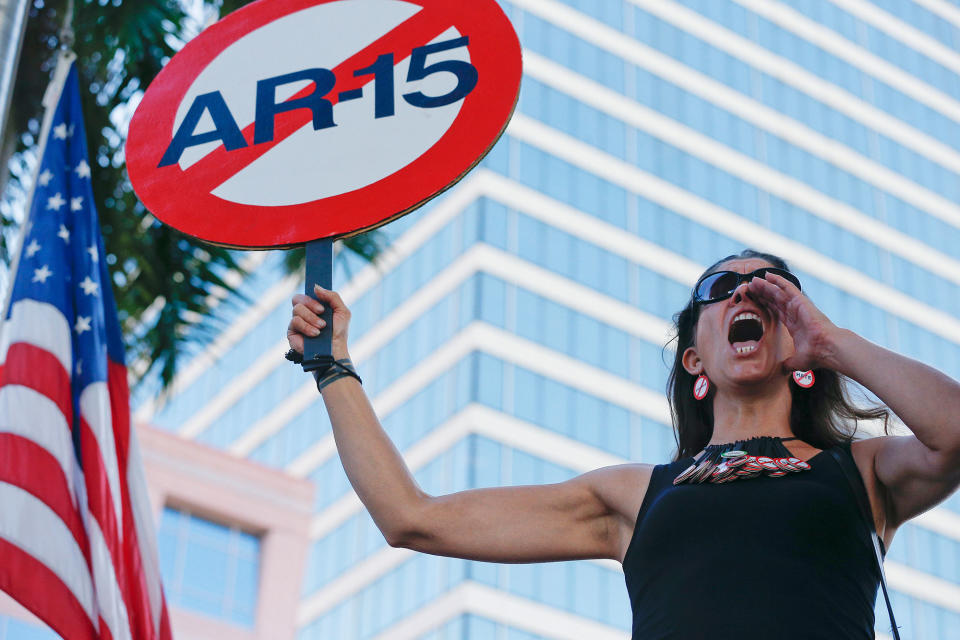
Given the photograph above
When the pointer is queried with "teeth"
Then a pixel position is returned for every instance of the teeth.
(747, 316)
(746, 349)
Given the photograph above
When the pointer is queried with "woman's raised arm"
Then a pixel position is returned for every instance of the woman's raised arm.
(589, 516)
(917, 471)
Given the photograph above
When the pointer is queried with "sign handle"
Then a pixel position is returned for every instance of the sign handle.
(318, 351)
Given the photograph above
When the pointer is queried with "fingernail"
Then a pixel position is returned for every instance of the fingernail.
(314, 331)
(316, 286)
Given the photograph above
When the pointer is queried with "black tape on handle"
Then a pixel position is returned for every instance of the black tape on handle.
(318, 351)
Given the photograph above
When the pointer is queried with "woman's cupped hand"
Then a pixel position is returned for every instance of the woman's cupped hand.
(812, 332)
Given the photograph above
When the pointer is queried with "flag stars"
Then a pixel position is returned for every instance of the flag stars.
(83, 169)
(45, 178)
(41, 274)
(32, 248)
(62, 131)
(94, 254)
(63, 233)
(76, 204)
(83, 324)
(55, 202)
(89, 286)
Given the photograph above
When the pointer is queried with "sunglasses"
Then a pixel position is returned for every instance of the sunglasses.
(720, 285)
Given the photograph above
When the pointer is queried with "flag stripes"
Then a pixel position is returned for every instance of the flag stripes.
(28, 323)
(77, 541)
(37, 586)
(96, 414)
(34, 470)
(41, 534)
(21, 407)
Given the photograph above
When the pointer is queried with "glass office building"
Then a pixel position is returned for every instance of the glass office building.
(514, 333)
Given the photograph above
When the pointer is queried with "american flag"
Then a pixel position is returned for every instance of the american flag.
(77, 541)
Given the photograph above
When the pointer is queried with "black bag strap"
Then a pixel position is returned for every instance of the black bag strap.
(852, 474)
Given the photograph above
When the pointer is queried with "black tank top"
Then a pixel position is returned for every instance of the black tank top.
(786, 557)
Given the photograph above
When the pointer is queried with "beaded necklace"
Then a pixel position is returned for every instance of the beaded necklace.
(742, 460)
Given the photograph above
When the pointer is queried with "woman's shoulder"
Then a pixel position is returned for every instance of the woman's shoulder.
(618, 485)
(626, 484)
(622, 489)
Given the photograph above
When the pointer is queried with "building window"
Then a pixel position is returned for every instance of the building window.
(208, 567)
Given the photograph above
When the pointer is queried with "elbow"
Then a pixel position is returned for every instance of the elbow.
(952, 461)
(393, 539)
(403, 537)
(944, 463)
(397, 537)
(408, 529)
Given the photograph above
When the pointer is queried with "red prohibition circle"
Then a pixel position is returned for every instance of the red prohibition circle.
(184, 200)
(804, 379)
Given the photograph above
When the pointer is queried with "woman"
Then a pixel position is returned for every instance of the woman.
(781, 555)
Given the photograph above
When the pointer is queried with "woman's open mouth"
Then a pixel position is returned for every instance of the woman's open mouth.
(746, 331)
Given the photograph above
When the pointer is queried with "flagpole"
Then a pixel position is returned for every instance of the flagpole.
(13, 23)
(50, 99)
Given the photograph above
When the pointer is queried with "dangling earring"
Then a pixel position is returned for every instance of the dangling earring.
(700, 387)
(803, 378)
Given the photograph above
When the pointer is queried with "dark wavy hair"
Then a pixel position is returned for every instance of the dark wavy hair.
(823, 415)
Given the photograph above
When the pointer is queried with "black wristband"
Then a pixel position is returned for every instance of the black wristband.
(294, 356)
(338, 369)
